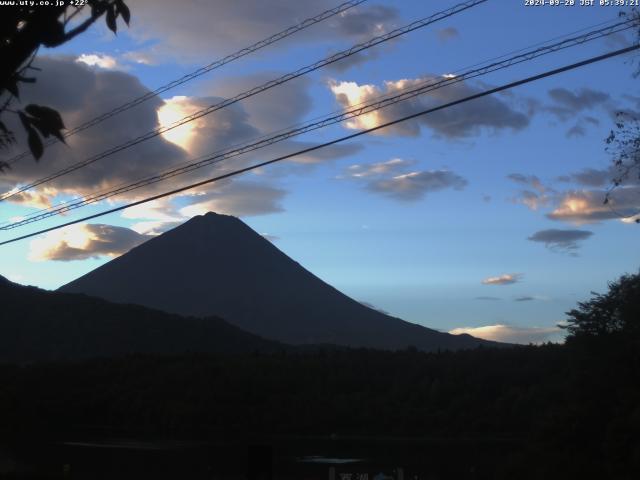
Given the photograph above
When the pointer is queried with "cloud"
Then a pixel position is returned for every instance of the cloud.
(532, 199)
(487, 298)
(504, 279)
(567, 103)
(512, 334)
(141, 57)
(30, 198)
(386, 178)
(587, 206)
(576, 131)
(161, 24)
(591, 177)
(457, 122)
(415, 185)
(240, 199)
(565, 241)
(373, 307)
(271, 238)
(529, 180)
(273, 109)
(98, 60)
(83, 241)
(446, 34)
(524, 298)
(366, 22)
(356, 59)
(80, 93)
(375, 169)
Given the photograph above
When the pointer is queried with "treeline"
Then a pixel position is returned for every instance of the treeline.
(573, 409)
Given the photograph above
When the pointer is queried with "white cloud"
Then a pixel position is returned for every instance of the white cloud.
(512, 334)
(415, 185)
(392, 179)
(460, 121)
(374, 169)
(587, 206)
(82, 241)
(98, 60)
(504, 279)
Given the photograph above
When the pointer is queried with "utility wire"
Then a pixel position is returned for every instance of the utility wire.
(353, 112)
(343, 7)
(501, 88)
(254, 91)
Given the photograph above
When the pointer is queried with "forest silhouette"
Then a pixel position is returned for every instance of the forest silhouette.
(562, 410)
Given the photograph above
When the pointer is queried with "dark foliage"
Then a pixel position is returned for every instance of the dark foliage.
(623, 143)
(615, 312)
(564, 412)
(23, 30)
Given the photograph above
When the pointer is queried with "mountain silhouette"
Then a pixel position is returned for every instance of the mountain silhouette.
(216, 265)
(39, 325)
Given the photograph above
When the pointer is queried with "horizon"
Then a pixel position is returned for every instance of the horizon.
(484, 219)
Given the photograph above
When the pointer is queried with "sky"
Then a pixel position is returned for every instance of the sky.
(485, 218)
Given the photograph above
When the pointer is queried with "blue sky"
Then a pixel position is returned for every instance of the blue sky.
(485, 217)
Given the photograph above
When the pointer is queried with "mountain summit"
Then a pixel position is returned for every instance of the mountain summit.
(217, 265)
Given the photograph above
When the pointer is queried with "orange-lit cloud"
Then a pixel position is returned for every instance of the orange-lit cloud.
(512, 334)
(29, 198)
(82, 241)
(588, 206)
(504, 279)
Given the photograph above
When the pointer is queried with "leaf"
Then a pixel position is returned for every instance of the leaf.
(49, 115)
(33, 139)
(111, 19)
(47, 120)
(123, 10)
(35, 144)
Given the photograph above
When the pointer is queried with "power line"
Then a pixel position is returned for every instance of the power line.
(507, 86)
(201, 71)
(354, 112)
(254, 91)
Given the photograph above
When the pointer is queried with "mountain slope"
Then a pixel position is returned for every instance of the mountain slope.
(38, 325)
(215, 264)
